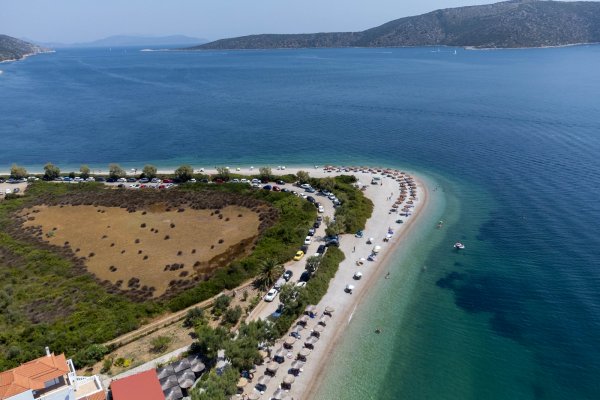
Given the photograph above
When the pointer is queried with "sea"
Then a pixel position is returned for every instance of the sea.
(507, 140)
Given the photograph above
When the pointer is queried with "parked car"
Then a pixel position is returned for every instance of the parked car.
(100, 179)
(311, 232)
(122, 180)
(271, 294)
(322, 249)
(304, 249)
(144, 180)
(317, 224)
(301, 284)
(287, 275)
(319, 218)
(128, 179)
(280, 182)
(305, 276)
(276, 188)
(167, 180)
(267, 187)
(321, 209)
(310, 198)
(299, 255)
(307, 240)
(310, 190)
(305, 186)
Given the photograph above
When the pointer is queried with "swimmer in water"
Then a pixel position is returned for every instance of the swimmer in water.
(387, 276)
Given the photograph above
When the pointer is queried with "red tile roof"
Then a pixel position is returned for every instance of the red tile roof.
(32, 375)
(95, 396)
(142, 386)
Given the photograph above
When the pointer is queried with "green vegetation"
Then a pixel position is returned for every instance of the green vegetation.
(302, 176)
(270, 270)
(356, 209)
(265, 173)
(84, 171)
(160, 344)
(46, 301)
(217, 387)
(149, 171)
(221, 304)
(115, 171)
(17, 172)
(51, 172)
(184, 173)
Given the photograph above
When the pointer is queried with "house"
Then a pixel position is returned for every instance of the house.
(142, 386)
(51, 377)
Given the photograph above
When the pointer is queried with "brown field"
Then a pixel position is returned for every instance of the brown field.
(152, 248)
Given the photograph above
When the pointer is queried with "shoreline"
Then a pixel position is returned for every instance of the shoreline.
(314, 377)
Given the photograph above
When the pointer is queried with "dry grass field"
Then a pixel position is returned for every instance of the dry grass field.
(152, 249)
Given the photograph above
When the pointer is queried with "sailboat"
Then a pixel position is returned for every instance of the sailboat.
(454, 52)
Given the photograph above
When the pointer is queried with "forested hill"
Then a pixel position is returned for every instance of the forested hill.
(15, 49)
(523, 23)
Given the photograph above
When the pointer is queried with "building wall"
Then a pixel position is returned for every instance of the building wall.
(66, 394)
(22, 396)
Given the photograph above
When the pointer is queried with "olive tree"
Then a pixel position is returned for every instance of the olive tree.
(84, 171)
(184, 173)
(302, 176)
(115, 171)
(223, 173)
(51, 172)
(265, 173)
(149, 171)
(312, 263)
(17, 172)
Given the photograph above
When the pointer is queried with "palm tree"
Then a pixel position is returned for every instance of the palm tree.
(270, 270)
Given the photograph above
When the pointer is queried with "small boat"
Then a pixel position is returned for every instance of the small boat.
(459, 246)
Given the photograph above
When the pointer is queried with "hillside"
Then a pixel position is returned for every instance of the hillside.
(133, 41)
(15, 49)
(522, 23)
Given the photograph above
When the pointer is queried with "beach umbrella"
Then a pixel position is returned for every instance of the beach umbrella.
(310, 342)
(264, 380)
(168, 382)
(304, 352)
(289, 379)
(324, 320)
(303, 320)
(272, 367)
(318, 328)
(197, 366)
(349, 288)
(186, 379)
(164, 372)
(254, 396)
(173, 393)
(288, 397)
(289, 341)
(278, 395)
(181, 365)
(310, 309)
(242, 383)
(297, 365)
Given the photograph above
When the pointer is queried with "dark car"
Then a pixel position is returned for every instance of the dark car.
(111, 180)
(319, 218)
(280, 182)
(267, 187)
(304, 249)
(100, 179)
(317, 224)
(276, 189)
(310, 190)
(332, 241)
(310, 198)
(131, 179)
(287, 275)
(305, 276)
(321, 250)
(284, 190)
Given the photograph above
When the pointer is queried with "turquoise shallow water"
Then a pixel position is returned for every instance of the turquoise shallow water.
(511, 137)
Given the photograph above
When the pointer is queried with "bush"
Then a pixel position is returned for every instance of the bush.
(90, 355)
(160, 344)
(232, 315)
(193, 316)
(221, 304)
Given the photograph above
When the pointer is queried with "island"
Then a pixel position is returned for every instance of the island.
(510, 24)
(12, 49)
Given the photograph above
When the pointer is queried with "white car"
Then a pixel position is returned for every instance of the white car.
(308, 240)
(8, 191)
(193, 180)
(321, 209)
(271, 294)
(121, 180)
(305, 186)
(301, 284)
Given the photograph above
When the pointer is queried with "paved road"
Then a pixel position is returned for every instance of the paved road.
(264, 309)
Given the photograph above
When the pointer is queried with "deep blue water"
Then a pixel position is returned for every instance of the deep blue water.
(512, 136)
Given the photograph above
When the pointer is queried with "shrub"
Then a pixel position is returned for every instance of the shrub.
(221, 304)
(193, 316)
(160, 344)
(232, 315)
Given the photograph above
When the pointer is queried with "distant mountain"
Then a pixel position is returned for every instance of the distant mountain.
(15, 49)
(130, 41)
(521, 23)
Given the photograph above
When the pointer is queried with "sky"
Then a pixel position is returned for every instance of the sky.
(71, 21)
